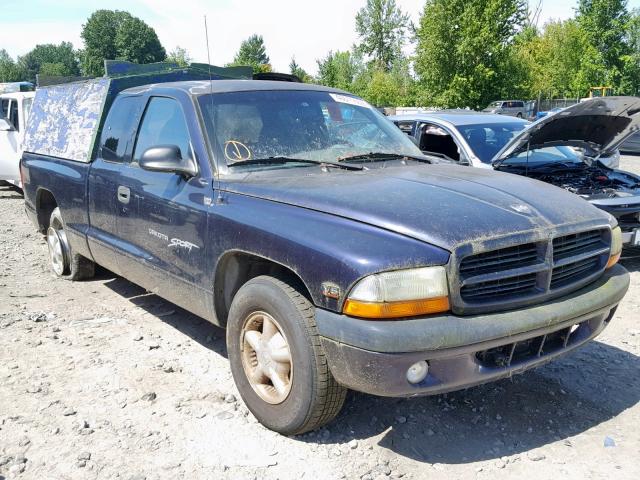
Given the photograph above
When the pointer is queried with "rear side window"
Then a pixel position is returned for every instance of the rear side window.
(118, 128)
(13, 114)
(163, 124)
(26, 108)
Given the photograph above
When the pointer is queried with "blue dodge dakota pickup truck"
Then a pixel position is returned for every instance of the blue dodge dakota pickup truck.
(335, 254)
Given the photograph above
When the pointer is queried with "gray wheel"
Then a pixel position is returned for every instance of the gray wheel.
(59, 264)
(266, 358)
(64, 262)
(276, 358)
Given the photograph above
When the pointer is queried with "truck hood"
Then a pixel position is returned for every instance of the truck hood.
(443, 205)
(599, 125)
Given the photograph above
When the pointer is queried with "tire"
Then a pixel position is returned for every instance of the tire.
(519, 115)
(63, 262)
(312, 397)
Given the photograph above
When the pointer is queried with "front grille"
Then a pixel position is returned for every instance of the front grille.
(518, 285)
(567, 274)
(576, 244)
(519, 352)
(499, 260)
(531, 271)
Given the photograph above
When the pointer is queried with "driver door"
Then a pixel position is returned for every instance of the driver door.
(10, 141)
(166, 230)
(435, 139)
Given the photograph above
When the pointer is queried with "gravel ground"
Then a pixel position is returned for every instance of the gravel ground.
(102, 380)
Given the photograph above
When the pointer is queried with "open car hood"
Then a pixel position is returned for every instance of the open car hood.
(598, 125)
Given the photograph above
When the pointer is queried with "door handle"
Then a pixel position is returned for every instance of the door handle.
(124, 194)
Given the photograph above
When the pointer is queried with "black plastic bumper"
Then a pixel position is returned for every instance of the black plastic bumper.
(373, 356)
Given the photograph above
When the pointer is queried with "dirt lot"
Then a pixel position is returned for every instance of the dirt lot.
(100, 380)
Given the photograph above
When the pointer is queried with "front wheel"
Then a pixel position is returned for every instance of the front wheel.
(64, 262)
(276, 358)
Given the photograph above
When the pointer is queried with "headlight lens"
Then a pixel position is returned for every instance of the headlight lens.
(402, 293)
(616, 247)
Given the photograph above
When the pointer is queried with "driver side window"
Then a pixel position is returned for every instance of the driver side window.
(436, 139)
(163, 123)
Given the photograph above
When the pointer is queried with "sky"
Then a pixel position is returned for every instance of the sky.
(307, 30)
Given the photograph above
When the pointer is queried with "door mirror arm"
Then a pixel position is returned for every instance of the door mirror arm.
(168, 158)
(464, 161)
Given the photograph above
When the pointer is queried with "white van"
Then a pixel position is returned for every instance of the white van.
(14, 111)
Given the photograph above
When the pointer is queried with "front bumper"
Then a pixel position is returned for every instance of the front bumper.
(373, 356)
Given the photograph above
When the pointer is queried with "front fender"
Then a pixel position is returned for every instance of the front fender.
(318, 247)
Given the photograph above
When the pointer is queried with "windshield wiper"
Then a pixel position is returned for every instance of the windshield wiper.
(378, 156)
(281, 160)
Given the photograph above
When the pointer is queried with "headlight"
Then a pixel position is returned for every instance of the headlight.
(402, 293)
(616, 247)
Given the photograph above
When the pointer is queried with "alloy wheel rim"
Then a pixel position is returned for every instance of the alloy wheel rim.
(56, 254)
(266, 358)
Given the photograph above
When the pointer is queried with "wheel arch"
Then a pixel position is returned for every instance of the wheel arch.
(237, 267)
(45, 204)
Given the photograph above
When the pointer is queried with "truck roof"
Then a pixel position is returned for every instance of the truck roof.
(17, 95)
(457, 117)
(202, 87)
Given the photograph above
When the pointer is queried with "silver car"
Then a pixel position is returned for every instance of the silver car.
(567, 149)
(513, 108)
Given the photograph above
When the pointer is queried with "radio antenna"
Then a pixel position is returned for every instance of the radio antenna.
(215, 160)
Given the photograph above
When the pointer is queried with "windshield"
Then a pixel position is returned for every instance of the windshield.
(486, 140)
(495, 104)
(307, 125)
(545, 155)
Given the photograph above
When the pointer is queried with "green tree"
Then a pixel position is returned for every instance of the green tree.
(252, 53)
(604, 22)
(382, 90)
(463, 49)
(381, 26)
(180, 56)
(568, 62)
(630, 81)
(62, 56)
(99, 36)
(10, 71)
(298, 71)
(137, 42)
(338, 70)
(114, 34)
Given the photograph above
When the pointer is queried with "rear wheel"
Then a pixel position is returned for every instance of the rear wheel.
(276, 358)
(63, 261)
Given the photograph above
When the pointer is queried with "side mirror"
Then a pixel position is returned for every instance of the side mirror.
(6, 125)
(167, 158)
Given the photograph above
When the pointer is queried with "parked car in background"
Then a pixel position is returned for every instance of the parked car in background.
(544, 113)
(14, 111)
(335, 254)
(571, 152)
(513, 108)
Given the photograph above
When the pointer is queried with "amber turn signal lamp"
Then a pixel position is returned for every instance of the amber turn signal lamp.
(384, 310)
